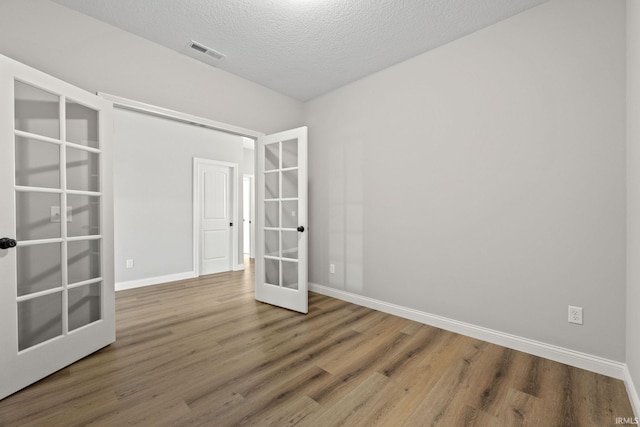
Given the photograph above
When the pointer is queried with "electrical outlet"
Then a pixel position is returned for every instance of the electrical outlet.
(575, 315)
(332, 268)
(129, 263)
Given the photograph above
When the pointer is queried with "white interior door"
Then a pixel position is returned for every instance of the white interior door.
(281, 229)
(56, 262)
(216, 216)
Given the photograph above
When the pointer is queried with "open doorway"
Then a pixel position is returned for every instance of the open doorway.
(155, 217)
(248, 216)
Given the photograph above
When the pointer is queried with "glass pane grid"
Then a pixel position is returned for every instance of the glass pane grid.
(281, 172)
(57, 190)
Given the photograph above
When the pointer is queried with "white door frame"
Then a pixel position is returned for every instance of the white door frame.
(197, 201)
(252, 214)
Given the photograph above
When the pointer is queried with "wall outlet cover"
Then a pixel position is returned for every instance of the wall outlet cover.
(575, 315)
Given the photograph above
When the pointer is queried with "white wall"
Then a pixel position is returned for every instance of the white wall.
(249, 161)
(633, 194)
(98, 57)
(484, 181)
(153, 160)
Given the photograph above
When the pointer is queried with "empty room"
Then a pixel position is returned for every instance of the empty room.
(320, 213)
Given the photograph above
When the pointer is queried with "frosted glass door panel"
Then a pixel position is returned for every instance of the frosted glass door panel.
(37, 163)
(84, 305)
(82, 124)
(83, 261)
(290, 214)
(290, 154)
(272, 214)
(85, 215)
(271, 157)
(290, 274)
(272, 272)
(34, 219)
(37, 111)
(271, 185)
(83, 170)
(39, 320)
(39, 268)
(290, 244)
(290, 184)
(272, 243)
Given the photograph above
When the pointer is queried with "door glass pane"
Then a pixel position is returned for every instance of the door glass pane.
(37, 111)
(272, 214)
(271, 185)
(39, 320)
(272, 243)
(35, 217)
(272, 272)
(85, 215)
(290, 214)
(82, 170)
(39, 268)
(83, 260)
(84, 305)
(290, 244)
(37, 163)
(290, 274)
(82, 124)
(271, 155)
(290, 154)
(290, 184)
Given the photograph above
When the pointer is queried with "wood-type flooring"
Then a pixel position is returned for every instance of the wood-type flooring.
(203, 352)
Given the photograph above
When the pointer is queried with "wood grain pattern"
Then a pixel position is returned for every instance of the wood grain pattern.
(202, 352)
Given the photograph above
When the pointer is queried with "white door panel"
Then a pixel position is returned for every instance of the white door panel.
(281, 230)
(215, 216)
(216, 245)
(57, 300)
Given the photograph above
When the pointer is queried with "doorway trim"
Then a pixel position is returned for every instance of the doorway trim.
(196, 203)
(252, 214)
(166, 113)
(129, 104)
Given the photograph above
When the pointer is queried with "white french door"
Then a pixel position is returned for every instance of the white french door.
(281, 220)
(56, 248)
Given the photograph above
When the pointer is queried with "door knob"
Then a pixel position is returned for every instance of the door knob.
(6, 243)
(300, 228)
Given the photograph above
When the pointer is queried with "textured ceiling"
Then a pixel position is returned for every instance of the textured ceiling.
(302, 48)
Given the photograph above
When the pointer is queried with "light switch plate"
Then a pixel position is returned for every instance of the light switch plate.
(55, 214)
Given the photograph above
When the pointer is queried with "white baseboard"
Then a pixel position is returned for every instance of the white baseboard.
(632, 391)
(239, 267)
(567, 356)
(120, 286)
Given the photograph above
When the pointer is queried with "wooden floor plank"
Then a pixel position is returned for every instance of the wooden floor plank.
(203, 352)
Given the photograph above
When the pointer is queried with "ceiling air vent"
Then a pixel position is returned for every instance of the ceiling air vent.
(199, 47)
